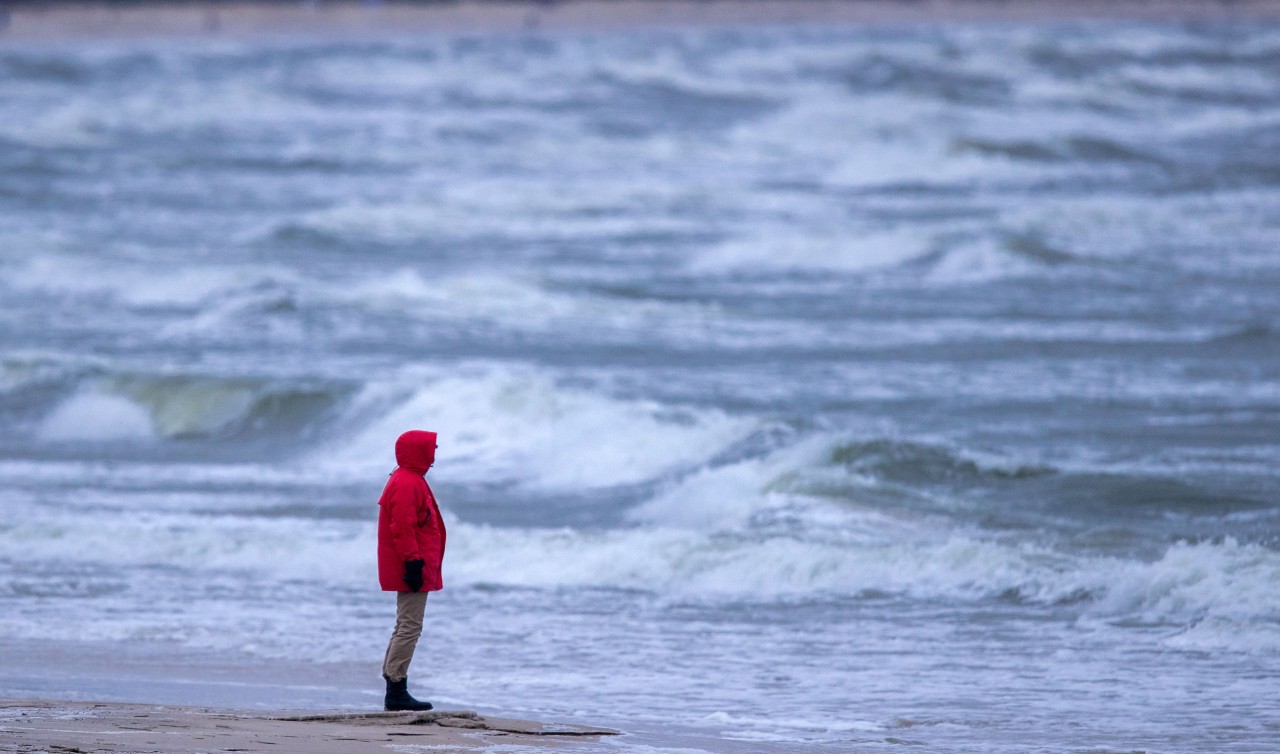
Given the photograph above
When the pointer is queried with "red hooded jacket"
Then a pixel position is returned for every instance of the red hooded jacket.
(409, 523)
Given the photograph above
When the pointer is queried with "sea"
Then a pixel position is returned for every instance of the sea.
(800, 388)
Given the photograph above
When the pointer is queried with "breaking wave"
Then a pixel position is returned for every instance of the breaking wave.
(183, 408)
(508, 426)
(1203, 593)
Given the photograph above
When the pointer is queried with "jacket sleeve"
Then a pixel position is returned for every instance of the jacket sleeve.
(403, 514)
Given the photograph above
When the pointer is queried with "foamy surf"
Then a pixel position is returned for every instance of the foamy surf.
(518, 426)
(799, 389)
(182, 407)
(1199, 594)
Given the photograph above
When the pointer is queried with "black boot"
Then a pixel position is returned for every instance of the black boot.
(398, 698)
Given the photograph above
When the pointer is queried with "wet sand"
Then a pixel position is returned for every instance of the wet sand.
(149, 19)
(54, 726)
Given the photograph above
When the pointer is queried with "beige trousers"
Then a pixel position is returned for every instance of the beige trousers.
(409, 609)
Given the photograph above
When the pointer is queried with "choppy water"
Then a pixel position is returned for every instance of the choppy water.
(797, 388)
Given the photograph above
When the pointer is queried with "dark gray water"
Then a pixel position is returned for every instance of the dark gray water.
(797, 388)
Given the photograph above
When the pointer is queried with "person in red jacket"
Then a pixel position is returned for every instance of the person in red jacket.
(411, 539)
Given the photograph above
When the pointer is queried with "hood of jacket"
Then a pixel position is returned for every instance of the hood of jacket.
(416, 450)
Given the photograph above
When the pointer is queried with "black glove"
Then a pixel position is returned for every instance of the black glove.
(413, 574)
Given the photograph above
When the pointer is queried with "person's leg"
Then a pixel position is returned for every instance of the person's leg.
(410, 607)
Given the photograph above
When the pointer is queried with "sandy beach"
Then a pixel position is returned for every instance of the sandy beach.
(31, 725)
(73, 20)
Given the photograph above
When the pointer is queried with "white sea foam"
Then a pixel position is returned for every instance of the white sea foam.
(745, 530)
(159, 475)
(675, 562)
(525, 304)
(1218, 591)
(337, 553)
(753, 593)
(843, 249)
(689, 565)
(1216, 581)
(137, 284)
(978, 261)
(95, 415)
(739, 722)
(535, 211)
(505, 425)
(1194, 79)
(506, 300)
(1220, 588)
(915, 162)
(147, 407)
(1217, 633)
(725, 498)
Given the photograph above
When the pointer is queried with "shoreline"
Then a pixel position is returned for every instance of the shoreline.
(235, 18)
(34, 724)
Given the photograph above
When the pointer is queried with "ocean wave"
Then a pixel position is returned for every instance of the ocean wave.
(529, 305)
(103, 115)
(849, 491)
(511, 426)
(45, 69)
(1204, 592)
(140, 284)
(510, 301)
(183, 407)
(97, 416)
(1076, 149)
(19, 371)
(1214, 632)
(812, 249)
(685, 564)
(231, 482)
(862, 491)
(939, 258)
(75, 69)
(950, 83)
(533, 212)
(640, 107)
(922, 463)
(1240, 85)
(1253, 334)
(336, 552)
(1012, 253)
